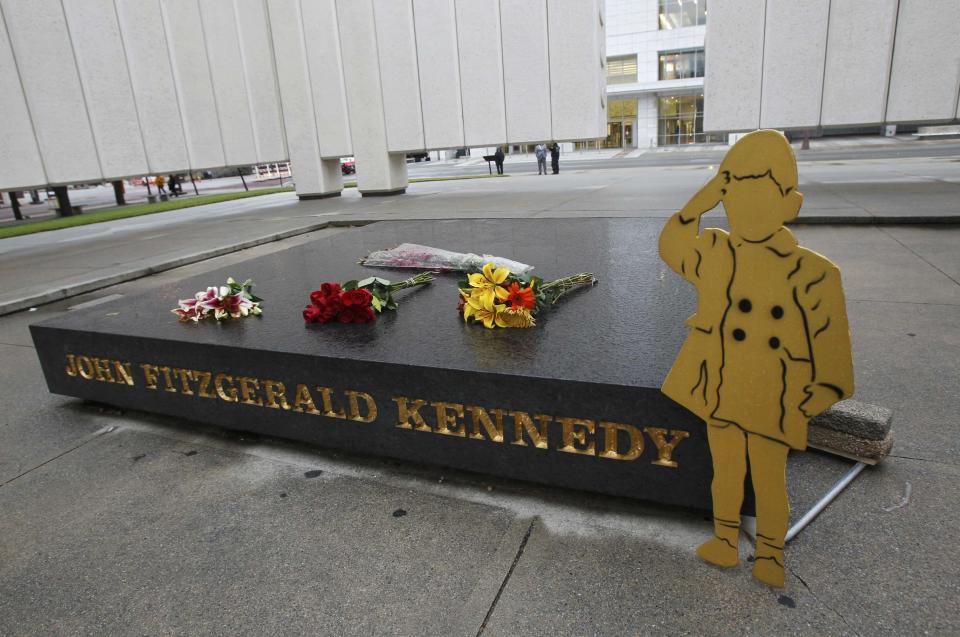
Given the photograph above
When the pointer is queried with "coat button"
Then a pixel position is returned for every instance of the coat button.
(777, 312)
(739, 334)
(774, 342)
(745, 305)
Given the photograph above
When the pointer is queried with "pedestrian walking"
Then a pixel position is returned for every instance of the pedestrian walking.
(160, 181)
(173, 183)
(541, 152)
(498, 160)
(555, 158)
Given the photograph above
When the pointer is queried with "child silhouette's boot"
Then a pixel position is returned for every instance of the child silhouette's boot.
(768, 565)
(721, 549)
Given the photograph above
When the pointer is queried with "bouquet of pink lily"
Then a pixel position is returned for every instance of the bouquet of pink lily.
(233, 300)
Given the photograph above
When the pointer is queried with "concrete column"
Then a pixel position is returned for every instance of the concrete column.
(378, 172)
(118, 192)
(314, 176)
(15, 205)
(64, 207)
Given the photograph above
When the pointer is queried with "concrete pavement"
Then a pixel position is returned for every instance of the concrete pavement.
(119, 523)
(122, 523)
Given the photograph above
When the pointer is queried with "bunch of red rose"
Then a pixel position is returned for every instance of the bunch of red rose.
(331, 303)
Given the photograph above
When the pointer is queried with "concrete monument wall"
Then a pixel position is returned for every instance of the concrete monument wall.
(788, 64)
(96, 90)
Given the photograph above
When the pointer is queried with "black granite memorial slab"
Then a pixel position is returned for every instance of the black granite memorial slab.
(574, 402)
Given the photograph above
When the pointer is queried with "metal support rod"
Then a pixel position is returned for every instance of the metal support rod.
(195, 191)
(239, 172)
(822, 504)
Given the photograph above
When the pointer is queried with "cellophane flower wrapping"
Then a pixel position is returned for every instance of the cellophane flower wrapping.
(412, 255)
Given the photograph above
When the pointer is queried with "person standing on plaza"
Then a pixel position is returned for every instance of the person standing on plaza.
(160, 181)
(541, 152)
(555, 158)
(498, 160)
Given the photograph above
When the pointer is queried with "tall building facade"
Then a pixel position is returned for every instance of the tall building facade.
(655, 68)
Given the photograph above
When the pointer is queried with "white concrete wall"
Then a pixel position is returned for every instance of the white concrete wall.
(108, 93)
(219, 23)
(734, 64)
(925, 76)
(103, 89)
(437, 56)
(481, 72)
(20, 161)
(577, 67)
(48, 74)
(154, 89)
(793, 67)
(861, 38)
(399, 75)
(831, 63)
(526, 70)
(322, 39)
(259, 67)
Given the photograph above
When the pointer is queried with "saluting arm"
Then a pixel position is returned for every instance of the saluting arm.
(680, 235)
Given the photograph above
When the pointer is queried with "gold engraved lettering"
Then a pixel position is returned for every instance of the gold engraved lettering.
(71, 368)
(405, 412)
(248, 391)
(185, 376)
(150, 375)
(303, 399)
(522, 423)
(124, 372)
(85, 367)
(102, 368)
(167, 380)
(610, 440)
(664, 448)
(445, 419)
(480, 417)
(326, 394)
(203, 383)
(574, 438)
(355, 407)
(276, 394)
(231, 396)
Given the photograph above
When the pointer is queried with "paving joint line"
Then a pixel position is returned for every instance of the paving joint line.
(87, 439)
(506, 579)
(918, 255)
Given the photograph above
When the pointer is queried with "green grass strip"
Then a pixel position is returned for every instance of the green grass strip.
(138, 210)
(125, 212)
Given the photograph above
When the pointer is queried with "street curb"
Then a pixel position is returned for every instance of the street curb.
(16, 305)
(23, 303)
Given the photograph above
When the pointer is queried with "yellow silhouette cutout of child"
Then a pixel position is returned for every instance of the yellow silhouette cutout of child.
(769, 345)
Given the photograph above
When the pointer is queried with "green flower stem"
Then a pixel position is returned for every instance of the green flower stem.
(559, 287)
(420, 279)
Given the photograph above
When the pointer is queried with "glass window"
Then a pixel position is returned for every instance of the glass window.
(675, 14)
(680, 120)
(622, 69)
(621, 108)
(678, 65)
